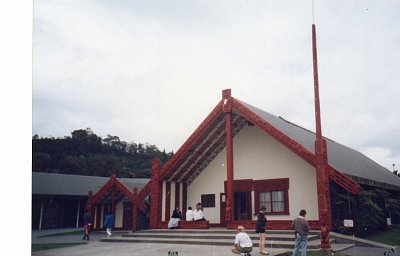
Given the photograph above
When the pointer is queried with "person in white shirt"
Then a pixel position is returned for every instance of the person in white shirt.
(243, 244)
(198, 214)
(189, 214)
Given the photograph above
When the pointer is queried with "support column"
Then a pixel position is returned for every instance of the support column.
(89, 205)
(155, 199)
(77, 214)
(184, 200)
(113, 178)
(177, 194)
(227, 109)
(167, 200)
(134, 209)
(41, 214)
(321, 155)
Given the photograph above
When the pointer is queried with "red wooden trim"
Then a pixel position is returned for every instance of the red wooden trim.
(204, 157)
(205, 224)
(229, 161)
(188, 224)
(167, 200)
(155, 194)
(98, 215)
(242, 185)
(344, 181)
(112, 183)
(184, 200)
(134, 217)
(192, 139)
(177, 194)
(271, 185)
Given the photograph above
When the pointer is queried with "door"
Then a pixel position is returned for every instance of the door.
(127, 216)
(242, 207)
(222, 207)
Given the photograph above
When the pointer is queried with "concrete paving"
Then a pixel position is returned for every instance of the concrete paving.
(96, 248)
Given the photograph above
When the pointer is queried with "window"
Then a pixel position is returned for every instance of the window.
(274, 201)
(208, 200)
(273, 194)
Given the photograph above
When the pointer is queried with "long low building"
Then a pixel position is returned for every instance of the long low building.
(59, 200)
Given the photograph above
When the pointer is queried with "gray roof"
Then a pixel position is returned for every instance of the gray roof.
(342, 158)
(64, 184)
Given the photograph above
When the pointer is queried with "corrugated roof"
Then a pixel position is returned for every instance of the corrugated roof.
(64, 184)
(342, 158)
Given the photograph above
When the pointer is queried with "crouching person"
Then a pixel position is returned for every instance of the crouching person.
(243, 244)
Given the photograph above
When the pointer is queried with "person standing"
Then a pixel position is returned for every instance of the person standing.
(260, 228)
(189, 214)
(87, 223)
(243, 244)
(109, 223)
(301, 227)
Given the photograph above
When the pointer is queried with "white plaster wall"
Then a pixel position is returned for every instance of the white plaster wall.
(163, 201)
(210, 181)
(258, 156)
(119, 212)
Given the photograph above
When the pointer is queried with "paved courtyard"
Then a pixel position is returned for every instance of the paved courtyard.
(96, 248)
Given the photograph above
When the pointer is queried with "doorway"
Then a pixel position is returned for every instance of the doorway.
(242, 209)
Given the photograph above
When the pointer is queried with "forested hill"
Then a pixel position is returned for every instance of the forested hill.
(85, 153)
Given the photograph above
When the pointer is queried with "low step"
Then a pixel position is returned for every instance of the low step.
(275, 239)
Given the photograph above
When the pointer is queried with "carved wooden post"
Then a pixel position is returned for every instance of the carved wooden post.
(135, 204)
(155, 188)
(227, 108)
(113, 178)
(322, 161)
(89, 204)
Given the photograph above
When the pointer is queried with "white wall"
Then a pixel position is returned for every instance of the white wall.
(119, 212)
(163, 201)
(258, 156)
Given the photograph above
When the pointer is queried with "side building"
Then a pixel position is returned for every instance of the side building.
(59, 200)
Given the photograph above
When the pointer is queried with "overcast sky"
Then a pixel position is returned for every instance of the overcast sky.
(151, 71)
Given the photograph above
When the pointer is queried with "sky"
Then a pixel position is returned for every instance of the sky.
(151, 71)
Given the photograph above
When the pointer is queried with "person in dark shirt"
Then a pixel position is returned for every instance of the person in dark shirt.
(260, 228)
(301, 228)
(175, 218)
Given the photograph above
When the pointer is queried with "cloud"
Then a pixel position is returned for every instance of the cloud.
(151, 71)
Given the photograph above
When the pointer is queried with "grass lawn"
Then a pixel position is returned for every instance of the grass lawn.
(40, 247)
(75, 232)
(391, 237)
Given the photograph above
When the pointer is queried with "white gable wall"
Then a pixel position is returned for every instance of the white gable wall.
(258, 156)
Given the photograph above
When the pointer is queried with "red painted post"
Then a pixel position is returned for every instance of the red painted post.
(155, 195)
(167, 200)
(322, 160)
(227, 109)
(113, 178)
(177, 194)
(134, 209)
